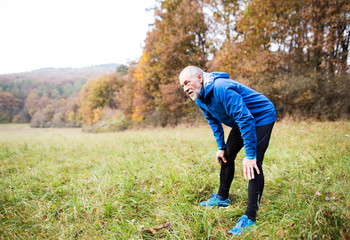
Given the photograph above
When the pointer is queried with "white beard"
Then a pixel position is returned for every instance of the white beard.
(196, 91)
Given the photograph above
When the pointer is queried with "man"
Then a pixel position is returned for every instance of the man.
(250, 115)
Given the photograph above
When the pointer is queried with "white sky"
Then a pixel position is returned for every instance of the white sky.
(71, 33)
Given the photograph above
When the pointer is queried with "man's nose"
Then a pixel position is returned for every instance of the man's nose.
(185, 88)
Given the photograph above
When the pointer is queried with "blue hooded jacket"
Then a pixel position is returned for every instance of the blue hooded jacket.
(226, 101)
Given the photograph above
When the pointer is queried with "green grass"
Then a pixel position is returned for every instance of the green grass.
(66, 184)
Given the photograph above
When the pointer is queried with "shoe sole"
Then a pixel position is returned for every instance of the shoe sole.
(215, 206)
(224, 206)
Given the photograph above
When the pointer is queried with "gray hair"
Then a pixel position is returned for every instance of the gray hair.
(191, 72)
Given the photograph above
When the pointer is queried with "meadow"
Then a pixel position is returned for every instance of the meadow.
(146, 184)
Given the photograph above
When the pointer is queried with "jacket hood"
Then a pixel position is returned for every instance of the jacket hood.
(208, 81)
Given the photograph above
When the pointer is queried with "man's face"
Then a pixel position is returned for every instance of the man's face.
(192, 87)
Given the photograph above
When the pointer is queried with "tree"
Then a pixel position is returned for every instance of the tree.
(85, 109)
(122, 70)
(177, 39)
(142, 99)
(172, 104)
(98, 94)
(102, 91)
(311, 32)
(224, 16)
(294, 52)
(9, 106)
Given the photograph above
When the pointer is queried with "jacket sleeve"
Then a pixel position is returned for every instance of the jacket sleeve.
(236, 108)
(216, 127)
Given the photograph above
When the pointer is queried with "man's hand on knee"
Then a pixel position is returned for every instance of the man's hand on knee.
(248, 168)
(220, 157)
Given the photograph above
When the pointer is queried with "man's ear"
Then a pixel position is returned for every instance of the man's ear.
(200, 78)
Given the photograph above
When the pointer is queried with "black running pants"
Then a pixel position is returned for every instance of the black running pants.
(256, 186)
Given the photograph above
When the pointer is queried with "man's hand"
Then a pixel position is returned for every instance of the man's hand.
(248, 168)
(220, 155)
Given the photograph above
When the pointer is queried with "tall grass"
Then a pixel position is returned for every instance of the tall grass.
(66, 184)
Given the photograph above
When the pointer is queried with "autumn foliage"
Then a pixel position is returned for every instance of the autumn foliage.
(294, 52)
(9, 106)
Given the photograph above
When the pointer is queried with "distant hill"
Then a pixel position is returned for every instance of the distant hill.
(48, 96)
(59, 75)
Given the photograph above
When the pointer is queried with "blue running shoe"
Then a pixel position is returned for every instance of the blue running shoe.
(243, 224)
(215, 201)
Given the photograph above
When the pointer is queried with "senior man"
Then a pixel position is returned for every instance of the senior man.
(251, 116)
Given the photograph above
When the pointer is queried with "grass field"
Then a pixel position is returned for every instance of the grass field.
(66, 184)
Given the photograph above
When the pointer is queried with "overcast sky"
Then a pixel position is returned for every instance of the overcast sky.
(71, 33)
